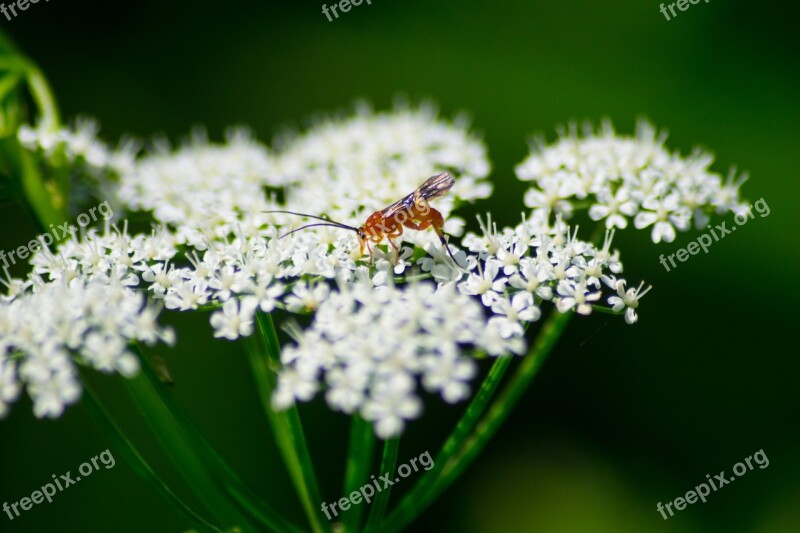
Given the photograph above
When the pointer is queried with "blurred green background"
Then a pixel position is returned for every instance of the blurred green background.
(621, 417)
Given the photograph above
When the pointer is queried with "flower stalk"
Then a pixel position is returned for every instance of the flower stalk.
(264, 358)
(359, 459)
(212, 479)
(46, 198)
(506, 400)
(415, 501)
(125, 448)
(472, 432)
(375, 521)
(185, 456)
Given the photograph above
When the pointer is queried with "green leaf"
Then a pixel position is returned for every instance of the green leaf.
(8, 82)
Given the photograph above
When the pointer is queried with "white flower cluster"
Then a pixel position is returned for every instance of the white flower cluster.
(212, 198)
(203, 192)
(371, 345)
(349, 168)
(619, 178)
(79, 144)
(44, 326)
(515, 270)
(79, 303)
(377, 338)
(214, 246)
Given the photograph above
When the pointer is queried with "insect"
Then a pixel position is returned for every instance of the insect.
(412, 212)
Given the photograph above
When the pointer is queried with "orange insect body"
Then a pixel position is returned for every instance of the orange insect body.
(412, 212)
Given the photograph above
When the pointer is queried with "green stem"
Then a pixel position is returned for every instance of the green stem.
(184, 433)
(506, 400)
(285, 424)
(46, 198)
(46, 201)
(487, 426)
(409, 506)
(8, 84)
(388, 465)
(48, 206)
(606, 310)
(43, 97)
(184, 456)
(359, 460)
(129, 453)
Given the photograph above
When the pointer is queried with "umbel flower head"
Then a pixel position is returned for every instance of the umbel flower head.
(49, 326)
(381, 331)
(624, 178)
(79, 146)
(350, 167)
(371, 345)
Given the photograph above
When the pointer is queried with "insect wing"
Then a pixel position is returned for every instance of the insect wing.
(436, 186)
(400, 205)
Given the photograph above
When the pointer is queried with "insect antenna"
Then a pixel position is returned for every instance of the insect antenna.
(313, 225)
(329, 221)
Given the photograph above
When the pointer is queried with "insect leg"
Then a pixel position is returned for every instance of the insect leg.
(410, 224)
(398, 231)
(370, 252)
(444, 243)
(396, 250)
(436, 220)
